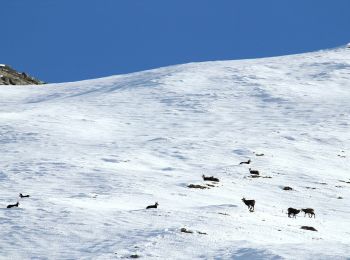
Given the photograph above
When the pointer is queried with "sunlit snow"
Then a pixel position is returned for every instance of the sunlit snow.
(93, 154)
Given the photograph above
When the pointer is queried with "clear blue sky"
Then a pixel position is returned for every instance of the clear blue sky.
(68, 40)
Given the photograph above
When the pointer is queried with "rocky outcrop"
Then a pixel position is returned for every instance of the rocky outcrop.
(9, 76)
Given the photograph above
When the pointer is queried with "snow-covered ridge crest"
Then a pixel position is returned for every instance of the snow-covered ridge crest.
(93, 154)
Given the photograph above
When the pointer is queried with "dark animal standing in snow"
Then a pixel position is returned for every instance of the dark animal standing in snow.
(247, 162)
(23, 196)
(255, 172)
(309, 211)
(293, 212)
(249, 203)
(152, 206)
(13, 205)
(211, 178)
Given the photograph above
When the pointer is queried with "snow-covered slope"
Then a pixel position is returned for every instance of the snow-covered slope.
(94, 154)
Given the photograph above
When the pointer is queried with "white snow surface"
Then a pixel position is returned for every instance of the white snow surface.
(93, 154)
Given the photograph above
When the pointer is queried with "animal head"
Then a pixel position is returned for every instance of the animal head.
(157, 203)
(243, 199)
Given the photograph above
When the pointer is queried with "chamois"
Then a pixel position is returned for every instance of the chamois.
(13, 205)
(293, 212)
(309, 211)
(249, 203)
(255, 172)
(152, 206)
(211, 178)
(247, 162)
(23, 196)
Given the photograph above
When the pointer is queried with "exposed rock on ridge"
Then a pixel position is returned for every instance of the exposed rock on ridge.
(9, 76)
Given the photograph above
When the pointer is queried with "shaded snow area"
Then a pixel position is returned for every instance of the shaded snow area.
(93, 154)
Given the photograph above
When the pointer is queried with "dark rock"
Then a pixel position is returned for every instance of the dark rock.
(12, 81)
(197, 186)
(184, 230)
(309, 228)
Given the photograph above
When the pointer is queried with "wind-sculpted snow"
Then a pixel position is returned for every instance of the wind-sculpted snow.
(93, 154)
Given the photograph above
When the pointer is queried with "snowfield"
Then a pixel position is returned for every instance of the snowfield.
(93, 154)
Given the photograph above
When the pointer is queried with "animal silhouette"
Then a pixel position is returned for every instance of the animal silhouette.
(293, 212)
(254, 172)
(309, 211)
(211, 178)
(249, 203)
(152, 206)
(13, 205)
(247, 162)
